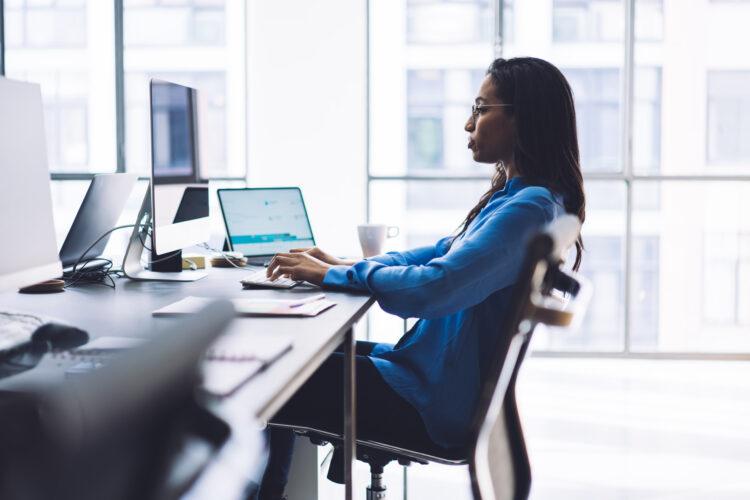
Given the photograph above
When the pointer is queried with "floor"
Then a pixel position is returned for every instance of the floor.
(620, 430)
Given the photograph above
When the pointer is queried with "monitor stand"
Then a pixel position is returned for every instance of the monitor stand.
(131, 265)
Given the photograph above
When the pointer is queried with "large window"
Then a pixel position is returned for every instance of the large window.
(662, 104)
(94, 59)
(197, 43)
(67, 47)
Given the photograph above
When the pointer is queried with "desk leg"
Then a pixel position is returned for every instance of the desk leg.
(350, 413)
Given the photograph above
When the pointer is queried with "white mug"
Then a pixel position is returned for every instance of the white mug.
(372, 237)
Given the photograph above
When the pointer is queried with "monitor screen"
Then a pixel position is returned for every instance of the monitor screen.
(173, 149)
(265, 221)
(179, 204)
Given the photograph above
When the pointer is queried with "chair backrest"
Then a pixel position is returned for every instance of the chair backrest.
(116, 432)
(499, 464)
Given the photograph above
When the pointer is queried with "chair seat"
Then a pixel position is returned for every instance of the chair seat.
(415, 450)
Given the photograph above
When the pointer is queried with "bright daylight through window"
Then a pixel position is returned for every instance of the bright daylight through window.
(645, 205)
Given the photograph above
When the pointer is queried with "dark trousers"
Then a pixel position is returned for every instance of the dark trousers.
(320, 404)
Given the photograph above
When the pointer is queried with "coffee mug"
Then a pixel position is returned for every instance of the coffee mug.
(372, 237)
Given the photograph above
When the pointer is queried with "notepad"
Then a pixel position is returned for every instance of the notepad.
(311, 305)
(236, 358)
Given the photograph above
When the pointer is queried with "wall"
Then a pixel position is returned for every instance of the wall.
(307, 109)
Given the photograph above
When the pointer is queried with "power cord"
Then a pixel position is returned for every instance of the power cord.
(103, 274)
(221, 253)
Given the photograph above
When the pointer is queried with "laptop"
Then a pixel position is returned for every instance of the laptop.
(99, 211)
(261, 222)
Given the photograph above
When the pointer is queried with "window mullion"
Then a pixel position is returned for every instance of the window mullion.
(2, 38)
(499, 39)
(627, 156)
(119, 85)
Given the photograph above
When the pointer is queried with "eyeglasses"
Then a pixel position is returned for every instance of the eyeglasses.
(477, 108)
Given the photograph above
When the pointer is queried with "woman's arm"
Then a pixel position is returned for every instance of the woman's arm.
(420, 255)
(485, 261)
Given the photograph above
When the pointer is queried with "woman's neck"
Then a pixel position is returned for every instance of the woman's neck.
(510, 170)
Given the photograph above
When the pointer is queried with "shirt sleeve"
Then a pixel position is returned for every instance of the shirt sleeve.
(481, 263)
(421, 255)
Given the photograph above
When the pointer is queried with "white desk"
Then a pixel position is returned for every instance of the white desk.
(126, 312)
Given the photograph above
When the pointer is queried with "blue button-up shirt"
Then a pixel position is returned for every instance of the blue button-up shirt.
(460, 290)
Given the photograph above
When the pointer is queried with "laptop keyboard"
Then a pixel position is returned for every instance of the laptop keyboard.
(259, 279)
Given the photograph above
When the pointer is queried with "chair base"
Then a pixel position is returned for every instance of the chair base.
(376, 490)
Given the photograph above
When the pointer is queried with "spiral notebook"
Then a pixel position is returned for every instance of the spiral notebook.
(236, 357)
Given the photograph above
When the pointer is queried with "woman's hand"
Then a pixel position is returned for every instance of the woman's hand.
(323, 256)
(299, 266)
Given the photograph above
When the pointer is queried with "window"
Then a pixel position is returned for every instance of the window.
(728, 117)
(452, 21)
(437, 107)
(196, 43)
(671, 272)
(597, 97)
(67, 47)
(587, 20)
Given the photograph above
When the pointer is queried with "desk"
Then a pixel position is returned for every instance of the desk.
(126, 312)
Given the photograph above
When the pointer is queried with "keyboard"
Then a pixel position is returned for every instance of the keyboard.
(258, 279)
(16, 329)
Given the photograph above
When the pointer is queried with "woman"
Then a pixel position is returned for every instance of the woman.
(427, 385)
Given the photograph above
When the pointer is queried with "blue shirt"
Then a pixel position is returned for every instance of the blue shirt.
(460, 290)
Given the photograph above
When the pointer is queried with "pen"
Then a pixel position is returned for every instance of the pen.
(307, 300)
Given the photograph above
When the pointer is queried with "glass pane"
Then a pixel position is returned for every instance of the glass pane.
(691, 266)
(603, 264)
(423, 81)
(692, 89)
(584, 39)
(198, 44)
(66, 47)
(587, 21)
(425, 211)
(435, 21)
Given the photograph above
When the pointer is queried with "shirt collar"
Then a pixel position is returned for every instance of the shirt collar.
(514, 185)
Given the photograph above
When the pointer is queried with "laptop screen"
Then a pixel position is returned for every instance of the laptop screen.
(265, 221)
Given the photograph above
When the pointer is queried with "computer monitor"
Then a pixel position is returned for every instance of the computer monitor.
(175, 170)
(176, 209)
(28, 253)
(99, 211)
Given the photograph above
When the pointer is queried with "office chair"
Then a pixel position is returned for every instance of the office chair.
(131, 429)
(496, 453)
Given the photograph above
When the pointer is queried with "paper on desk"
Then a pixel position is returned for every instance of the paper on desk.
(305, 306)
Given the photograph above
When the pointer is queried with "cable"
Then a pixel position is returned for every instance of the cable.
(81, 258)
(100, 275)
(221, 253)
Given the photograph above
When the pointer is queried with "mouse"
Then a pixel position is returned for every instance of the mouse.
(60, 336)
